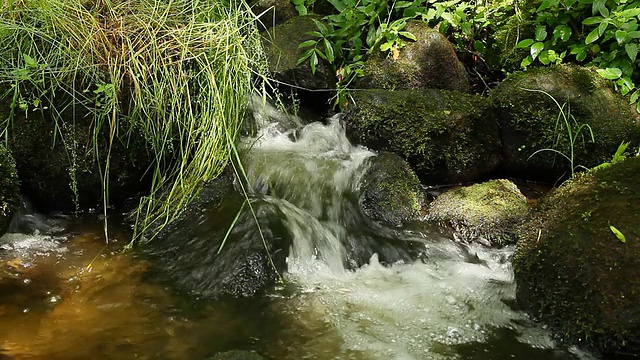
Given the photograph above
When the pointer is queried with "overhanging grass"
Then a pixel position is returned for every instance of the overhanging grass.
(179, 71)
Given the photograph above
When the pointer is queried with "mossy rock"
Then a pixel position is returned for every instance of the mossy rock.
(9, 189)
(445, 135)
(52, 159)
(572, 272)
(391, 191)
(428, 63)
(529, 120)
(281, 48)
(273, 12)
(488, 213)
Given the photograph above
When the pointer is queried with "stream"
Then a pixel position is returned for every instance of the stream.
(351, 289)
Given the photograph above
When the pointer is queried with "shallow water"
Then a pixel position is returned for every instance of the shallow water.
(74, 297)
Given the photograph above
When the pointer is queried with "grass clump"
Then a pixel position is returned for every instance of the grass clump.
(178, 71)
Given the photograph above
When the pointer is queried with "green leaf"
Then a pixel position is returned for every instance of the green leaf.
(321, 26)
(313, 62)
(634, 97)
(621, 36)
(562, 32)
(541, 33)
(618, 234)
(524, 43)
(307, 43)
(632, 51)
(593, 36)
(546, 3)
(340, 5)
(408, 35)
(526, 61)
(610, 73)
(29, 61)
(544, 57)
(386, 46)
(592, 20)
(328, 49)
(602, 27)
(305, 55)
(536, 48)
(479, 46)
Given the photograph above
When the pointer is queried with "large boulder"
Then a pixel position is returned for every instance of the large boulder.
(572, 271)
(527, 107)
(9, 189)
(488, 213)
(391, 191)
(273, 12)
(445, 135)
(428, 63)
(502, 53)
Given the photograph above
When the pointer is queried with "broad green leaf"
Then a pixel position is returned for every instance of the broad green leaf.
(371, 36)
(305, 55)
(29, 61)
(314, 33)
(541, 33)
(618, 234)
(544, 57)
(313, 62)
(634, 34)
(630, 13)
(592, 20)
(634, 97)
(321, 26)
(328, 50)
(621, 36)
(547, 3)
(479, 46)
(536, 48)
(602, 27)
(386, 46)
(562, 32)
(593, 36)
(338, 4)
(632, 51)
(610, 73)
(307, 43)
(408, 35)
(524, 43)
(526, 61)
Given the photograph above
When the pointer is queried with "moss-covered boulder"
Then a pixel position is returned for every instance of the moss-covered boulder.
(391, 191)
(488, 213)
(281, 48)
(572, 272)
(428, 63)
(59, 166)
(502, 53)
(9, 189)
(445, 135)
(527, 107)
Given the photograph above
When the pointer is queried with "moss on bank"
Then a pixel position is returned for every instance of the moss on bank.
(9, 190)
(572, 271)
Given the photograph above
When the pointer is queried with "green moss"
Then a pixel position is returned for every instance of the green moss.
(391, 191)
(502, 53)
(529, 120)
(491, 211)
(443, 134)
(9, 189)
(572, 271)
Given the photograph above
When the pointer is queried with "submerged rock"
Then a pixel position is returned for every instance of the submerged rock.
(391, 191)
(445, 135)
(9, 189)
(488, 213)
(191, 255)
(527, 107)
(572, 271)
(428, 63)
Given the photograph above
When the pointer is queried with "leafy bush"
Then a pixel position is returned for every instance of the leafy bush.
(603, 33)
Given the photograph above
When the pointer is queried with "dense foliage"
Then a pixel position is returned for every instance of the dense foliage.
(603, 33)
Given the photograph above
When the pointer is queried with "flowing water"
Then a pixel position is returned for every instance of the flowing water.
(351, 289)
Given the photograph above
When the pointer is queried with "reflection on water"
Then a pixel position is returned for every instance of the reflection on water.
(72, 297)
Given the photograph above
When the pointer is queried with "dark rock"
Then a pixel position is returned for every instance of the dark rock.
(9, 189)
(502, 54)
(428, 63)
(445, 135)
(57, 161)
(281, 47)
(572, 272)
(391, 191)
(488, 213)
(190, 254)
(273, 12)
(529, 121)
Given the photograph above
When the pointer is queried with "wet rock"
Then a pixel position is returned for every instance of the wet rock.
(428, 63)
(192, 254)
(9, 189)
(529, 121)
(573, 273)
(488, 213)
(56, 162)
(237, 355)
(281, 48)
(391, 191)
(445, 135)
